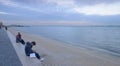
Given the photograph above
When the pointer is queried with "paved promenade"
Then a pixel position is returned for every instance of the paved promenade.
(8, 56)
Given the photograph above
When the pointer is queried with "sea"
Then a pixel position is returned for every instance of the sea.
(99, 38)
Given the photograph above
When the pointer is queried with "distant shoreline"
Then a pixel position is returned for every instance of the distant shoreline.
(66, 25)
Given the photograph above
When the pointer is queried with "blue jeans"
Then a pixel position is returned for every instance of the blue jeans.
(37, 55)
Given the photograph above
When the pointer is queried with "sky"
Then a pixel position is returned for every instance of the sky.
(60, 12)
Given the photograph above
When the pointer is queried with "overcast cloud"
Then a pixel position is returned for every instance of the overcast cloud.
(61, 10)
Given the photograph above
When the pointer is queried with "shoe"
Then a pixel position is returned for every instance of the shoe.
(41, 60)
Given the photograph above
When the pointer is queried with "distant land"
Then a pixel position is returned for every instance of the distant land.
(66, 25)
(18, 26)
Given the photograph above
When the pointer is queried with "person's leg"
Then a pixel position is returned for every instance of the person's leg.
(17, 41)
(22, 41)
(37, 55)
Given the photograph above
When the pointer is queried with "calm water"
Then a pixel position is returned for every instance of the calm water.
(105, 39)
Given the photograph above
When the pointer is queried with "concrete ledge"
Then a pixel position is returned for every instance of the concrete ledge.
(26, 61)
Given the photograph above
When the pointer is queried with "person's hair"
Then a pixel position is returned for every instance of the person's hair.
(19, 33)
(33, 42)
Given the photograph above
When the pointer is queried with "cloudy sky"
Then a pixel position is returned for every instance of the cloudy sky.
(72, 12)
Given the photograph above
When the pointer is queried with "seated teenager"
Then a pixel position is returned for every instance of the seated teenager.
(19, 39)
(28, 50)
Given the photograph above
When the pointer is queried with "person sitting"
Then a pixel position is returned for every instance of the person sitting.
(28, 50)
(19, 39)
(6, 28)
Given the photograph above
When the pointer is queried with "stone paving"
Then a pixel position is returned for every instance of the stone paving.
(8, 56)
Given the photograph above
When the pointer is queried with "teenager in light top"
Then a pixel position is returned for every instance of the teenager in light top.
(18, 37)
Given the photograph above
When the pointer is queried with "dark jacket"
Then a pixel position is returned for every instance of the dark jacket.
(28, 49)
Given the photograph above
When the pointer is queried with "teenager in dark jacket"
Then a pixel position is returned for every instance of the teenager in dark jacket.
(28, 50)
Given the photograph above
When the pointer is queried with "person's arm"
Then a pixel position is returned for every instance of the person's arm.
(33, 50)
